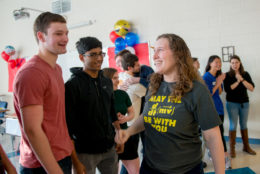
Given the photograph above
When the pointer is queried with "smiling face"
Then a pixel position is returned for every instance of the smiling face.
(136, 68)
(215, 65)
(56, 38)
(92, 59)
(196, 65)
(235, 64)
(164, 59)
(115, 80)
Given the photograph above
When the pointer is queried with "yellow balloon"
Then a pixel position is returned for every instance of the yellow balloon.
(122, 27)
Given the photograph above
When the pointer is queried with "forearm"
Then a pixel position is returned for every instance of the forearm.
(129, 117)
(234, 85)
(6, 162)
(74, 157)
(248, 85)
(137, 126)
(215, 88)
(41, 147)
(78, 167)
(215, 145)
(130, 113)
(220, 90)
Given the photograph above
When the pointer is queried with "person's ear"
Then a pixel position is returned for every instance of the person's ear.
(81, 57)
(129, 68)
(41, 36)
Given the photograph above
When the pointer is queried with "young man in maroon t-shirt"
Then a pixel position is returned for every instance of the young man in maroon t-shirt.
(40, 102)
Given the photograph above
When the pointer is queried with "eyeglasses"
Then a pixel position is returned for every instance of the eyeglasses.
(95, 55)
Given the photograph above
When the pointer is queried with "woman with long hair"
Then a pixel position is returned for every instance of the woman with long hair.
(125, 113)
(236, 84)
(174, 110)
(214, 78)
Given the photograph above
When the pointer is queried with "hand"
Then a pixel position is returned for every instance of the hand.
(123, 87)
(119, 115)
(121, 136)
(120, 148)
(79, 168)
(220, 78)
(121, 118)
(132, 80)
(239, 77)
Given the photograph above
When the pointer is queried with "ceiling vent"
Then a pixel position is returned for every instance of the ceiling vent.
(61, 6)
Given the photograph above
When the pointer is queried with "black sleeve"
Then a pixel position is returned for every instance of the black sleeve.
(227, 83)
(248, 78)
(71, 106)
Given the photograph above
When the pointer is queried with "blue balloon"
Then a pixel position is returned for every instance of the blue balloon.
(120, 43)
(118, 50)
(131, 39)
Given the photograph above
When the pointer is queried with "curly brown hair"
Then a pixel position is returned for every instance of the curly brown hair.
(184, 65)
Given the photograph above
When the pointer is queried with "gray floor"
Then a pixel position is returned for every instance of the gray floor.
(242, 159)
(11, 143)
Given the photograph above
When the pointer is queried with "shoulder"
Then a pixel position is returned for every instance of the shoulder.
(123, 76)
(208, 77)
(228, 76)
(121, 92)
(76, 82)
(246, 73)
(199, 86)
(105, 79)
(146, 68)
(31, 73)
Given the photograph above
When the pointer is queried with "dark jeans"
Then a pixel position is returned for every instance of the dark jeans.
(65, 165)
(145, 169)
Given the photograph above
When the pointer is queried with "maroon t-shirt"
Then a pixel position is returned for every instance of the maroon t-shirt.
(37, 83)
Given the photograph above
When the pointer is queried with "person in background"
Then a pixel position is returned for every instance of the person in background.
(90, 110)
(236, 84)
(196, 64)
(39, 102)
(5, 163)
(214, 78)
(140, 75)
(125, 113)
(136, 91)
(174, 110)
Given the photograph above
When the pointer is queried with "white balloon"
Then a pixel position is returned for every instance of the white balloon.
(131, 49)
